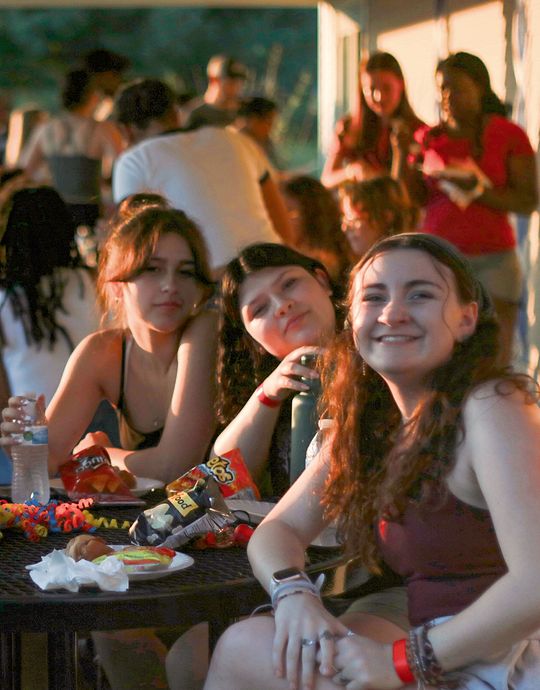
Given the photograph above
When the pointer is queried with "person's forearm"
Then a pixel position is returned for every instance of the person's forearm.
(509, 200)
(506, 613)
(272, 547)
(251, 431)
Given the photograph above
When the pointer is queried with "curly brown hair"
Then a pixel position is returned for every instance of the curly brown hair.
(242, 363)
(377, 464)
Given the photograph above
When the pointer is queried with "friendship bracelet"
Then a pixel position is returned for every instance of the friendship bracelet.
(401, 662)
(306, 586)
(265, 400)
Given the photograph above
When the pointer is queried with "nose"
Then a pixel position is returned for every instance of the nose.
(282, 306)
(169, 281)
(394, 312)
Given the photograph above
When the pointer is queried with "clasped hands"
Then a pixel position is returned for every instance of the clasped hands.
(310, 641)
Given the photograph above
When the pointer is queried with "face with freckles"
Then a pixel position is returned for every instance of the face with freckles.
(406, 314)
(286, 307)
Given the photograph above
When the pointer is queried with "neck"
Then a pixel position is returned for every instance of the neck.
(157, 349)
(407, 396)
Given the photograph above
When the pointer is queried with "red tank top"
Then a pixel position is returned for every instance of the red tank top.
(448, 555)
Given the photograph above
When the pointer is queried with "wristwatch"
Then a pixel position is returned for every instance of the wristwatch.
(289, 576)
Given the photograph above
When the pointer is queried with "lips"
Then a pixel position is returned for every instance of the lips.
(294, 321)
(396, 338)
(169, 305)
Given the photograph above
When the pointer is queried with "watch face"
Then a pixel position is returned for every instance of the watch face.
(286, 573)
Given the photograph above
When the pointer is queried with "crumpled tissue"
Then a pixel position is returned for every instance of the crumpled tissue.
(58, 571)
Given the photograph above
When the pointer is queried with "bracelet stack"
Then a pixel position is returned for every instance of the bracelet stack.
(286, 589)
(415, 660)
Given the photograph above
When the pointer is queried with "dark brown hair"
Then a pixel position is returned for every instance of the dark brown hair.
(372, 474)
(243, 363)
(131, 242)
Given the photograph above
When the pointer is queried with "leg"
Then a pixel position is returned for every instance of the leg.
(132, 659)
(187, 660)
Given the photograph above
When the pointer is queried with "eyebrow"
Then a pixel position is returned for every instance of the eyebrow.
(409, 284)
(187, 262)
(274, 282)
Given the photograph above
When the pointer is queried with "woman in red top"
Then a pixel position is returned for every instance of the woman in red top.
(479, 166)
(367, 142)
(431, 465)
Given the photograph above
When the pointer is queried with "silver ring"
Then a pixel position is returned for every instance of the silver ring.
(326, 635)
(306, 642)
(350, 633)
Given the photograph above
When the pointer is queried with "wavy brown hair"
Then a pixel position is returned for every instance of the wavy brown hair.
(242, 363)
(129, 247)
(378, 466)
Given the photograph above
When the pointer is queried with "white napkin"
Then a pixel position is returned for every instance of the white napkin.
(58, 571)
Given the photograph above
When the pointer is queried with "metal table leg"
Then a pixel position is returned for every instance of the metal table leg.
(62, 660)
(10, 661)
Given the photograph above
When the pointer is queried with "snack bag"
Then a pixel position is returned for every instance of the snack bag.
(228, 470)
(183, 516)
(90, 473)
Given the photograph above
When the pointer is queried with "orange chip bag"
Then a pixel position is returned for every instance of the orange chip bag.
(230, 472)
(90, 473)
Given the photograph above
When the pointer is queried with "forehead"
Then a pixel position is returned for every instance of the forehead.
(400, 266)
(380, 77)
(172, 245)
(263, 280)
(456, 78)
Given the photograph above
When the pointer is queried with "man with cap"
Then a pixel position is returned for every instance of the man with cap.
(220, 103)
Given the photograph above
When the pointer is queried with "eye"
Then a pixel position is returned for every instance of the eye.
(152, 269)
(186, 273)
(372, 297)
(421, 295)
(259, 310)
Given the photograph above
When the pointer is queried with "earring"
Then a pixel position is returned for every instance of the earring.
(116, 300)
(364, 368)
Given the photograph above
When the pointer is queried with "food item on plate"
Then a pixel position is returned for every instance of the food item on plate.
(87, 547)
(95, 549)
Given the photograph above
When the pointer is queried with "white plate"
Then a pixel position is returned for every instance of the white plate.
(257, 510)
(143, 486)
(179, 562)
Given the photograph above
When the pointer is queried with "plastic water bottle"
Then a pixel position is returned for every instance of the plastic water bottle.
(30, 480)
(303, 421)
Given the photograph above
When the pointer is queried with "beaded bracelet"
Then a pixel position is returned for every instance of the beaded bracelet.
(265, 400)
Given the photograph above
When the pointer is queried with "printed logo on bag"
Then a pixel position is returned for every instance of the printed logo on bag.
(221, 470)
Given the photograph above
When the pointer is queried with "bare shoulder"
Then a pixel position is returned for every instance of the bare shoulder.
(101, 347)
(501, 402)
(203, 325)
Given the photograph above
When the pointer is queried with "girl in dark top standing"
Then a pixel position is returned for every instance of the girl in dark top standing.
(372, 140)
(431, 466)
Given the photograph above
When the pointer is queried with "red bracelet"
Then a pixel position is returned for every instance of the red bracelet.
(265, 400)
(401, 663)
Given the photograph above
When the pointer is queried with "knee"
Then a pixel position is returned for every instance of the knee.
(253, 636)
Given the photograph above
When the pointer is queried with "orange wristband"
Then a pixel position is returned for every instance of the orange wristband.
(265, 400)
(401, 663)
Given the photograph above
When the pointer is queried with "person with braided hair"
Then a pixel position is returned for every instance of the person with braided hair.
(431, 467)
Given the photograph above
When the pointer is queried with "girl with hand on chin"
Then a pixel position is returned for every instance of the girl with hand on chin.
(276, 305)
(431, 468)
(155, 361)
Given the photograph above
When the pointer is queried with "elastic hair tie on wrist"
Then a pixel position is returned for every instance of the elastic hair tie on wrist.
(264, 399)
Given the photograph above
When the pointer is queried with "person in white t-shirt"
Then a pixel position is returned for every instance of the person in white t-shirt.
(215, 175)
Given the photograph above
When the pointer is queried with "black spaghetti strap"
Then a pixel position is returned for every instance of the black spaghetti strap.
(120, 404)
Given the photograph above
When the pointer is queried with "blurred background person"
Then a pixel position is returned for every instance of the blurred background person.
(256, 119)
(367, 141)
(374, 209)
(221, 101)
(478, 167)
(107, 70)
(316, 225)
(74, 144)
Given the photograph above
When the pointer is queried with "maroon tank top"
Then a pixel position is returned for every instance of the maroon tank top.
(448, 555)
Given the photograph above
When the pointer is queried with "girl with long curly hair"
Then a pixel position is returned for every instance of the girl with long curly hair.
(430, 467)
